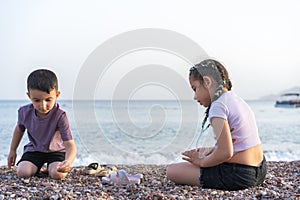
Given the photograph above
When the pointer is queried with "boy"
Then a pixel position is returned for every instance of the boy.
(48, 130)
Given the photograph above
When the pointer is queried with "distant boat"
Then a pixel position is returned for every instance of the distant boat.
(288, 100)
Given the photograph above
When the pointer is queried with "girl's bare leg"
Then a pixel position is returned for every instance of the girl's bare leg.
(183, 173)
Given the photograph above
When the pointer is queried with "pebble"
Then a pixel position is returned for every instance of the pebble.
(282, 182)
(64, 192)
(27, 180)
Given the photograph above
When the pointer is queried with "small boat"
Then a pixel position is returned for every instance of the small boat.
(288, 100)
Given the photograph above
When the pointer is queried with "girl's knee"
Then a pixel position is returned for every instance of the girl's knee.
(170, 171)
(183, 173)
(173, 173)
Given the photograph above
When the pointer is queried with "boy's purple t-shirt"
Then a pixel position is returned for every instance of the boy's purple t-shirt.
(43, 131)
(240, 118)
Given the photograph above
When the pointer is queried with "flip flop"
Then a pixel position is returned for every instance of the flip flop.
(93, 168)
(122, 178)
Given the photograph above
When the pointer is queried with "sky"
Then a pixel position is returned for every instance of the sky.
(257, 41)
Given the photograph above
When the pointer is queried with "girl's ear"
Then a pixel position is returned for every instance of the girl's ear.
(207, 81)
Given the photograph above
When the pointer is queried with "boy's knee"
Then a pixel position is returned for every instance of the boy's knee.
(54, 174)
(25, 173)
(26, 169)
(57, 175)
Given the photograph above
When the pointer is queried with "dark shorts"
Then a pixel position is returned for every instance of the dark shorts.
(40, 158)
(232, 176)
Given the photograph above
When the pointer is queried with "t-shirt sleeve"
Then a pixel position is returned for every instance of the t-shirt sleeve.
(64, 127)
(218, 109)
(20, 123)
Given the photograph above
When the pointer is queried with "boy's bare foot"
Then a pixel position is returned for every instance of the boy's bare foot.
(44, 170)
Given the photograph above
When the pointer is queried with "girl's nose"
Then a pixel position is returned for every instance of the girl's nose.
(195, 96)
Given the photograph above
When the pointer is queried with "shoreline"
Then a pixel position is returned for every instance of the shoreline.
(282, 182)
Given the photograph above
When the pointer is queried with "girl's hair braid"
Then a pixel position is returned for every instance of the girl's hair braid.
(224, 75)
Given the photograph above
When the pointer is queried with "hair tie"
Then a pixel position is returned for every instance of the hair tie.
(219, 91)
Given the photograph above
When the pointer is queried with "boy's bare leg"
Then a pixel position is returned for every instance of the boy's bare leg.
(183, 173)
(26, 169)
(53, 173)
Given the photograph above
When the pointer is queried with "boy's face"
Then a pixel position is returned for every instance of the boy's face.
(42, 101)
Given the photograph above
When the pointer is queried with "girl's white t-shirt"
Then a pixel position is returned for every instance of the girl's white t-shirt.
(240, 118)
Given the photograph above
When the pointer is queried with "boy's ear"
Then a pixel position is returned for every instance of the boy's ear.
(207, 81)
(57, 94)
(28, 94)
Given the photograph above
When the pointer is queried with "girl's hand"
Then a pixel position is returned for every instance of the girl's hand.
(64, 166)
(193, 156)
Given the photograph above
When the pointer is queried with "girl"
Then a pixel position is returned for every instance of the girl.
(236, 161)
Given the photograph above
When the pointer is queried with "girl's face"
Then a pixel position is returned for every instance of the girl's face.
(202, 94)
(42, 101)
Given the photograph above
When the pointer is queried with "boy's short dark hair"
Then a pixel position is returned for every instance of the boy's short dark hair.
(42, 79)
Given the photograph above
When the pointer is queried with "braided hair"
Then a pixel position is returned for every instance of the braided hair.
(217, 72)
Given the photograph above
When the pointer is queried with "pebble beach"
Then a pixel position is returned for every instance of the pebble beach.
(282, 182)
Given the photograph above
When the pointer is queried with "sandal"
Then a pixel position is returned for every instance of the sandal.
(93, 168)
(106, 171)
(122, 178)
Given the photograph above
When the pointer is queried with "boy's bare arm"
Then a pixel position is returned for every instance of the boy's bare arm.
(17, 136)
(65, 166)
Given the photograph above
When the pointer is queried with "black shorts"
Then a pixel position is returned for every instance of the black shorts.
(232, 176)
(40, 158)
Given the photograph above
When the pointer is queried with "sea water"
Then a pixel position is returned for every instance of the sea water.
(153, 132)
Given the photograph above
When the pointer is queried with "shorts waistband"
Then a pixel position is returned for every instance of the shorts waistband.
(246, 166)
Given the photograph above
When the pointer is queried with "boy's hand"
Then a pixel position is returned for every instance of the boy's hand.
(11, 159)
(64, 166)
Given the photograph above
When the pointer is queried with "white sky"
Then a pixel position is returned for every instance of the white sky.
(258, 41)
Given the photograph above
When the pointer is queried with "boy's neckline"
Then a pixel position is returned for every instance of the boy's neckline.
(39, 115)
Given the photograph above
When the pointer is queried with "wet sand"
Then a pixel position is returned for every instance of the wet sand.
(282, 182)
